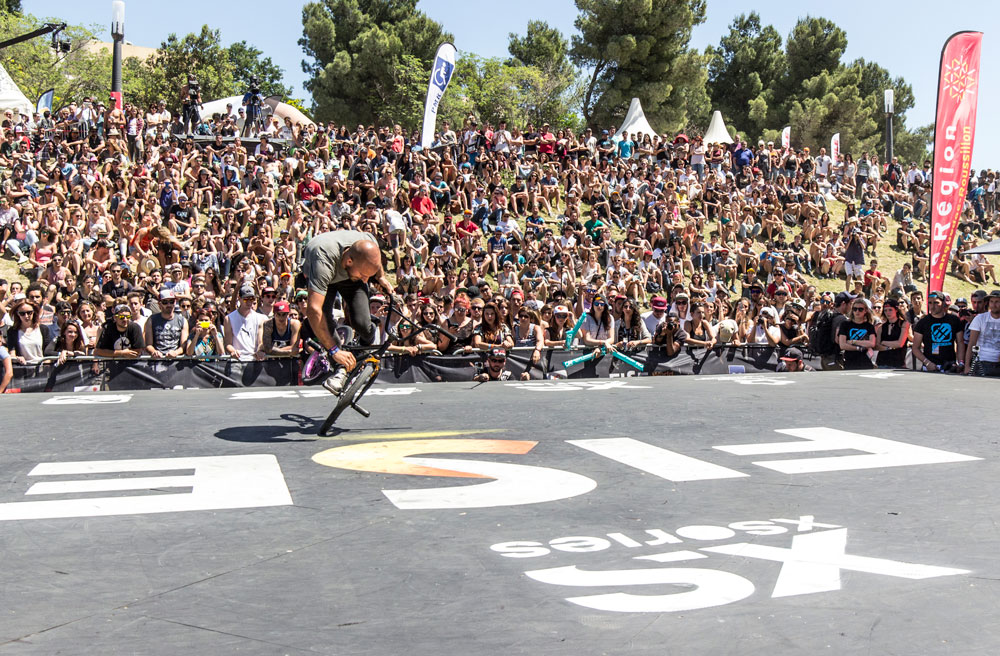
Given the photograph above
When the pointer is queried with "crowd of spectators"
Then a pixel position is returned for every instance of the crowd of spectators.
(140, 239)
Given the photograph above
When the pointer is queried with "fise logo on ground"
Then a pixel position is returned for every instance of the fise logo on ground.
(812, 561)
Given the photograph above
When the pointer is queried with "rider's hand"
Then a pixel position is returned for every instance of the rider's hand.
(344, 358)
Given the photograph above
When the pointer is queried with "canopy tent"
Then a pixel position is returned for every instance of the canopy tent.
(717, 131)
(279, 109)
(11, 97)
(635, 122)
(991, 248)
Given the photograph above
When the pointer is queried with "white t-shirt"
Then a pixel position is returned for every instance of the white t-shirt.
(652, 322)
(31, 345)
(245, 332)
(989, 336)
(597, 331)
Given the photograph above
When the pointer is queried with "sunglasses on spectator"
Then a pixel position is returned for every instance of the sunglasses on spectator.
(859, 309)
(600, 304)
(497, 360)
(27, 313)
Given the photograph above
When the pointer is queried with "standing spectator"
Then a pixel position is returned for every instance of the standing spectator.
(281, 333)
(936, 334)
(244, 327)
(120, 337)
(167, 332)
(893, 334)
(657, 315)
(7, 367)
(205, 338)
(984, 333)
(856, 336)
(26, 337)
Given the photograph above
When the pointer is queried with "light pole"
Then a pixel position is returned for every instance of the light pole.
(118, 35)
(888, 125)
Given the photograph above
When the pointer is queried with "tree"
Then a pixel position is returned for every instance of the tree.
(550, 89)
(874, 80)
(10, 6)
(247, 63)
(832, 102)
(221, 71)
(743, 70)
(161, 76)
(359, 52)
(493, 90)
(543, 47)
(638, 48)
(35, 67)
(815, 45)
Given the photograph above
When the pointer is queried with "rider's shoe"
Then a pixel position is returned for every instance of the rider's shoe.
(335, 383)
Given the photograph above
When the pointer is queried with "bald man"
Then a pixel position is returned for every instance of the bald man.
(342, 261)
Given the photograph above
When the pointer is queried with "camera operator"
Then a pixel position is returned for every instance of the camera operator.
(669, 335)
(191, 104)
(253, 101)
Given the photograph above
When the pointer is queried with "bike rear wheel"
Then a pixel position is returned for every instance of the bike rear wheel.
(357, 385)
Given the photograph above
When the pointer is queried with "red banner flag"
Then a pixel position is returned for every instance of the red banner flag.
(954, 133)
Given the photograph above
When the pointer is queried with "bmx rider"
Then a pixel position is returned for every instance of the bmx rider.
(342, 261)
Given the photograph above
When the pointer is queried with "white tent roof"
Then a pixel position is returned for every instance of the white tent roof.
(279, 109)
(635, 121)
(717, 132)
(11, 97)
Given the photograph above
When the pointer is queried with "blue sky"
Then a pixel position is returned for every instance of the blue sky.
(904, 38)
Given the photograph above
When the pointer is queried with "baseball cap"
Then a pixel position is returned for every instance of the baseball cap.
(659, 303)
(842, 297)
(791, 355)
(498, 352)
(166, 294)
(995, 293)
(246, 291)
(268, 290)
(281, 306)
(121, 308)
(376, 298)
(560, 309)
(979, 293)
(517, 292)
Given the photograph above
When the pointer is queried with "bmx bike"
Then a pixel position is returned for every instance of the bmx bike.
(366, 370)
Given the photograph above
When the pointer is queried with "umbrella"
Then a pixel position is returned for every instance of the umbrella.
(986, 249)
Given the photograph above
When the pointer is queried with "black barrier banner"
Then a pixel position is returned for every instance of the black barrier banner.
(51, 377)
(168, 374)
(653, 362)
(192, 374)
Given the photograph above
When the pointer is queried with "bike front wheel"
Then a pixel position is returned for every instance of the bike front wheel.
(357, 384)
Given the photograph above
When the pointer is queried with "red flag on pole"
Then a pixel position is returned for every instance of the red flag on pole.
(786, 137)
(835, 148)
(954, 133)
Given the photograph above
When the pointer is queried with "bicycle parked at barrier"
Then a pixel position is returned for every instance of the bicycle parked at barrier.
(318, 366)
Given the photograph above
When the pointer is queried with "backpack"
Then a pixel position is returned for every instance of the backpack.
(821, 334)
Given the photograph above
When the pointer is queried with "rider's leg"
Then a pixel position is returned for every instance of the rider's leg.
(355, 296)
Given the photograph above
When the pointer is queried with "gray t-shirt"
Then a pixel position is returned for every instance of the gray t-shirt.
(323, 254)
(166, 332)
